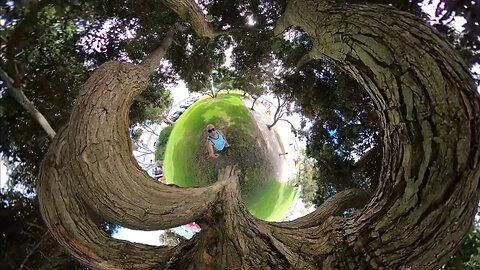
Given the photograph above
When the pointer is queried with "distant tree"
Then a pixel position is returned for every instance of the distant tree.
(212, 83)
(171, 238)
(305, 178)
(283, 108)
(251, 82)
(162, 143)
(468, 256)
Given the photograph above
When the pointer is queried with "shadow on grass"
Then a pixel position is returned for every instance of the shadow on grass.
(270, 201)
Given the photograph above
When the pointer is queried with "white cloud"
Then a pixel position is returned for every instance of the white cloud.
(143, 237)
(430, 7)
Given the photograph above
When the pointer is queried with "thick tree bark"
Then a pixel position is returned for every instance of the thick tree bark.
(430, 115)
(89, 171)
(189, 11)
(334, 206)
(424, 204)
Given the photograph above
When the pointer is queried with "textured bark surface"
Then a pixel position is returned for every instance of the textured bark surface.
(89, 172)
(429, 110)
(189, 11)
(423, 207)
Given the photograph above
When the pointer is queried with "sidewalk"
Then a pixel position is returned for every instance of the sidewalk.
(286, 163)
(147, 143)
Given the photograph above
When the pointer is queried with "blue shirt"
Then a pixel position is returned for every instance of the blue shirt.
(218, 143)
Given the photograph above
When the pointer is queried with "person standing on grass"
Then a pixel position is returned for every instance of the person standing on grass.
(216, 140)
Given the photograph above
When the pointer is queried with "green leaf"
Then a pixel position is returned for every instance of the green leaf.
(276, 46)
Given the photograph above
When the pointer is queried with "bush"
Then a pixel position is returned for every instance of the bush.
(162, 143)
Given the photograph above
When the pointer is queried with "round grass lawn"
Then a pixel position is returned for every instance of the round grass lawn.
(186, 163)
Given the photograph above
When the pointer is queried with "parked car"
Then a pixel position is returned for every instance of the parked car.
(195, 98)
(175, 116)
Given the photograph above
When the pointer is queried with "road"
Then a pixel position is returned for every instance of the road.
(285, 164)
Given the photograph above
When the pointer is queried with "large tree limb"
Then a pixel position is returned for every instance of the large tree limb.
(189, 11)
(334, 206)
(26, 104)
(93, 152)
(430, 113)
(12, 78)
(365, 158)
(151, 62)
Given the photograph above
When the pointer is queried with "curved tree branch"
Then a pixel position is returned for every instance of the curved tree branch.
(93, 152)
(430, 114)
(190, 12)
(151, 62)
(334, 206)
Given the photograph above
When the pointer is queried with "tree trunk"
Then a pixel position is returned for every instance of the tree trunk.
(253, 104)
(425, 202)
(189, 11)
(27, 104)
(277, 114)
(272, 124)
(89, 169)
(429, 111)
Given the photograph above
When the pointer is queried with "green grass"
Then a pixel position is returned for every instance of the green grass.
(186, 137)
(271, 201)
(268, 200)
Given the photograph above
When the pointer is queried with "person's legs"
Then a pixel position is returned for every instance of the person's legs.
(224, 150)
